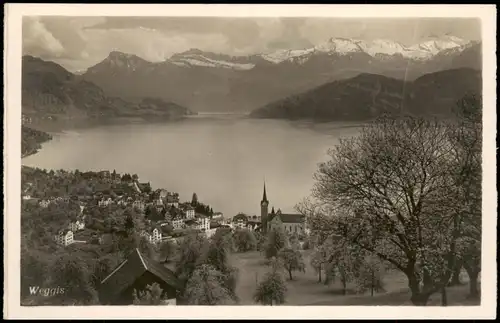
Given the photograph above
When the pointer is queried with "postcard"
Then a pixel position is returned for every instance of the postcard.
(252, 161)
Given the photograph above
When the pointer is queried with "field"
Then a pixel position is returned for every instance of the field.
(306, 290)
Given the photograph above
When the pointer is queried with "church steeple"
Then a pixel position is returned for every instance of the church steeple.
(264, 210)
(264, 196)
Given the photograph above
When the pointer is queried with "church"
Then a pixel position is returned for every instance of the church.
(290, 223)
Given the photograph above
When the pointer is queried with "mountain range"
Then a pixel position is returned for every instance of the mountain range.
(50, 92)
(207, 82)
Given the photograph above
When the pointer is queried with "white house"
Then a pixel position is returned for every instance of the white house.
(65, 237)
(178, 223)
(203, 223)
(44, 203)
(77, 225)
(189, 212)
(105, 202)
(153, 236)
(26, 197)
(240, 220)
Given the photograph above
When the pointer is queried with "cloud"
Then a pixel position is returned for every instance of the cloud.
(80, 42)
(38, 41)
(151, 44)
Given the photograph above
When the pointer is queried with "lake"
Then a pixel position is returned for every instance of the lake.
(223, 158)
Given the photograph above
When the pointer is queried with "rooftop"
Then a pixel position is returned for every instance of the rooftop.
(125, 274)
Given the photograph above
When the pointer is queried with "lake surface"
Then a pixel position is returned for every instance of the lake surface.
(223, 158)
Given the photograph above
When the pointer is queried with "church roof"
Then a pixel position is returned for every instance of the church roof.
(129, 270)
(289, 218)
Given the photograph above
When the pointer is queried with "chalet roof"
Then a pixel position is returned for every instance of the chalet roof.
(289, 218)
(125, 274)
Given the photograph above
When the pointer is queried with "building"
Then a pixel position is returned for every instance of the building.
(64, 237)
(188, 212)
(217, 216)
(135, 273)
(264, 204)
(240, 220)
(178, 223)
(26, 197)
(153, 235)
(77, 225)
(105, 202)
(173, 200)
(253, 223)
(44, 203)
(203, 222)
(291, 223)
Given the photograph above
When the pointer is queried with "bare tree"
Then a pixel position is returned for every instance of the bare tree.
(388, 193)
(466, 136)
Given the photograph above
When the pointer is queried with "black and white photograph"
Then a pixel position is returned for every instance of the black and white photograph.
(305, 161)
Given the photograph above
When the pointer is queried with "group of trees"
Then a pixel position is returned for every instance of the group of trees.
(284, 256)
(32, 139)
(406, 193)
(41, 183)
(204, 270)
(201, 208)
(349, 265)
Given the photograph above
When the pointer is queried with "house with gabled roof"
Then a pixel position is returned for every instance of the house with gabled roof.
(135, 273)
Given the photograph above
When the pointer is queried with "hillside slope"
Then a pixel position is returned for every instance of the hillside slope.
(50, 92)
(368, 95)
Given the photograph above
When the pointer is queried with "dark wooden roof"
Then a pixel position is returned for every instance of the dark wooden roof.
(129, 270)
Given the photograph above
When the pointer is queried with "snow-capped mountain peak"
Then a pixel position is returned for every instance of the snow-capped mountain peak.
(339, 45)
(196, 57)
(334, 47)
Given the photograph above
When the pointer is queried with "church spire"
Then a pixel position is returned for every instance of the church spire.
(264, 196)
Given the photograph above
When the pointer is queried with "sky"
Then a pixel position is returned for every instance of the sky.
(80, 42)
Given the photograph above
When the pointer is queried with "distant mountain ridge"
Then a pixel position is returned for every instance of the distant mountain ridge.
(206, 81)
(367, 96)
(50, 92)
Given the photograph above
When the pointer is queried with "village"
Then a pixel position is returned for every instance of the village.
(162, 214)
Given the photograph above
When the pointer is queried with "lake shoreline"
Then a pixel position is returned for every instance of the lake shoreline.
(224, 160)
